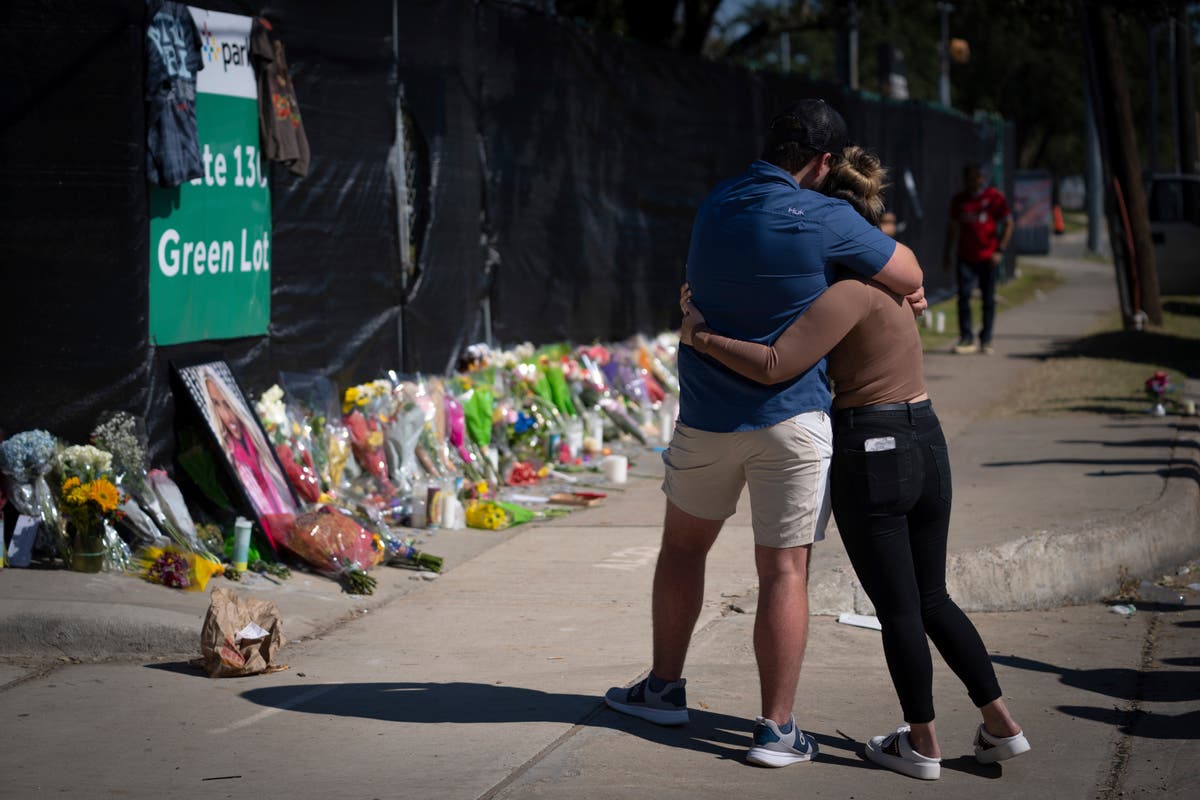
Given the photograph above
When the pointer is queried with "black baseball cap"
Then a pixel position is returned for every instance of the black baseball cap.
(813, 124)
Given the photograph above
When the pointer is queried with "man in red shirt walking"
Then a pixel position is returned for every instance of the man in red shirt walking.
(982, 225)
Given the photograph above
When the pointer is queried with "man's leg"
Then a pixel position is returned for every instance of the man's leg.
(987, 287)
(679, 587)
(781, 626)
(788, 484)
(966, 285)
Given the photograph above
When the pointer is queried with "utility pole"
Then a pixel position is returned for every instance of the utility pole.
(944, 81)
(852, 44)
(1094, 176)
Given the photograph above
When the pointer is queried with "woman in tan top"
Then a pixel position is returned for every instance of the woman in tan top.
(890, 480)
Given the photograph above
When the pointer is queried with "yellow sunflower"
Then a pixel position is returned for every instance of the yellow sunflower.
(104, 494)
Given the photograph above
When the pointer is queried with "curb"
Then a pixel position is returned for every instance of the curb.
(90, 638)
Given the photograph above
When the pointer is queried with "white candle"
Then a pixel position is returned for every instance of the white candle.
(616, 468)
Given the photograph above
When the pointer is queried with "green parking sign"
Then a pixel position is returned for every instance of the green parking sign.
(210, 239)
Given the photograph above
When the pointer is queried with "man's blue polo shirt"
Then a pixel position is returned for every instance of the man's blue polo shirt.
(762, 251)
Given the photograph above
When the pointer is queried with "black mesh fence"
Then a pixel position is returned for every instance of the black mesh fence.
(553, 172)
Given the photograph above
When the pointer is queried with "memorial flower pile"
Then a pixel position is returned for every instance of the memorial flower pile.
(366, 462)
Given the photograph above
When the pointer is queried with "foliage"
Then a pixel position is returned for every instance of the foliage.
(681, 25)
(1026, 58)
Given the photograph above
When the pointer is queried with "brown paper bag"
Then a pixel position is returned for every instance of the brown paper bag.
(230, 643)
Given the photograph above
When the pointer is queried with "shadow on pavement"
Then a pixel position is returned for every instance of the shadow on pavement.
(1164, 468)
(970, 766)
(1118, 682)
(1182, 661)
(1178, 353)
(1156, 443)
(195, 667)
(720, 735)
(1140, 723)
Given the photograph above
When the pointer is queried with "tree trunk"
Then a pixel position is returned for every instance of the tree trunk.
(1127, 165)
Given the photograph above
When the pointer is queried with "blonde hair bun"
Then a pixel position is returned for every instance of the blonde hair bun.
(859, 178)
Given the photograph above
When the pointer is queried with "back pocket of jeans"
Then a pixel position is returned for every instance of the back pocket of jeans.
(883, 477)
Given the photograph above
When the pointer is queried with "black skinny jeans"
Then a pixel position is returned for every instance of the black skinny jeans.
(892, 505)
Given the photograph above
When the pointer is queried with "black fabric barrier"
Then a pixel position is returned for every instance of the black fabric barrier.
(561, 171)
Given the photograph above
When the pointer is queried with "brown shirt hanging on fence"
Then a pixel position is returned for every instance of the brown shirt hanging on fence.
(281, 130)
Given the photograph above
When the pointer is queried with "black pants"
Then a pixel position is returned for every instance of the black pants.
(970, 273)
(890, 484)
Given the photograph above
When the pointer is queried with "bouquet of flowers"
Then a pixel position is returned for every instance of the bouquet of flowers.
(403, 439)
(292, 442)
(177, 568)
(494, 515)
(89, 499)
(432, 450)
(124, 436)
(403, 553)
(655, 356)
(312, 405)
(1157, 385)
(603, 373)
(397, 551)
(164, 503)
(367, 410)
(25, 459)
(332, 542)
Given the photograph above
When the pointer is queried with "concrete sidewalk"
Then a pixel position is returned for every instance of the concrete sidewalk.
(1048, 511)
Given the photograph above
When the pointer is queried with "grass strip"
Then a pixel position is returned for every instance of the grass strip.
(1105, 371)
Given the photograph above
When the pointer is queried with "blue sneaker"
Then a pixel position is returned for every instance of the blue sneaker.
(774, 748)
(667, 706)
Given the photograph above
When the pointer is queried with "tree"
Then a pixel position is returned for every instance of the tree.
(654, 22)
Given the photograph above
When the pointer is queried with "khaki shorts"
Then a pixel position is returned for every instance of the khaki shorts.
(786, 467)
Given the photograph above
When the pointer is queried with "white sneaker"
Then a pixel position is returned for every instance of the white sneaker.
(990, 749)
(895, 752)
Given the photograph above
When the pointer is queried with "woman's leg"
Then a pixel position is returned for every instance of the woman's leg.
(948, 627)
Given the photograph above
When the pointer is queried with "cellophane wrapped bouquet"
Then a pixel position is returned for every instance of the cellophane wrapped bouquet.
(367, 409)
(124, 436)
(25, 460)
(495, 515)
(184, 561)
(293, 441)
(334, 544)
(89, 499)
